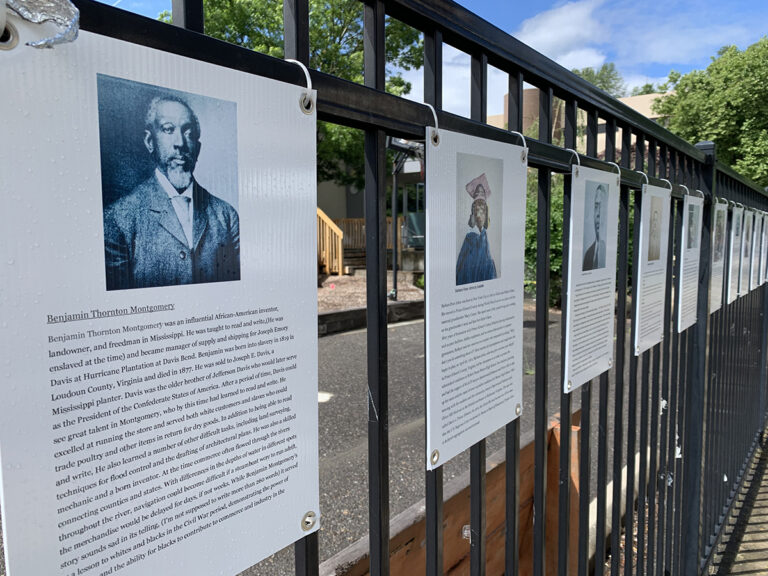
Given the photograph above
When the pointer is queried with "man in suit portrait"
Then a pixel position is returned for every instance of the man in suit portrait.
(170, 230)
(594, 255)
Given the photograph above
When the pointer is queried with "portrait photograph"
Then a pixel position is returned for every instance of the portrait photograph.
(479, 214)
(654, 229)
(746, 242)
(719, 247)
(595, 226)
(693, 227)
(169, 179)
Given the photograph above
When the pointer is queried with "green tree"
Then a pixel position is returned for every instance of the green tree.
(647, 88)
(728, 104)
(336, 47)
(607, 78)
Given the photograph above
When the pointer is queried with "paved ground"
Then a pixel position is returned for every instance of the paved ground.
(746, 537)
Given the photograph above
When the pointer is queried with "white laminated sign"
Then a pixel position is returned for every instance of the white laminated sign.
(159, 410)
(474, 323)
(690, 253)
(651, 288)
(591, 275)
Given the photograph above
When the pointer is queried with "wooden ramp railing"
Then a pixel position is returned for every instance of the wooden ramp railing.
(354, 232)
(330, 250)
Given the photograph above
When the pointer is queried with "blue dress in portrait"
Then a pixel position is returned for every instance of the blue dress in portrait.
(475, 263)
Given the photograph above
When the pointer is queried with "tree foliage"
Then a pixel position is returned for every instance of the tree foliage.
(728, 104)
(336, 47)
(607, 78)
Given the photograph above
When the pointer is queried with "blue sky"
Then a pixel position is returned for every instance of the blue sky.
(644, 39)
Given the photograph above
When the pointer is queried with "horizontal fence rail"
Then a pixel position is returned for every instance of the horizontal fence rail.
(666, 436)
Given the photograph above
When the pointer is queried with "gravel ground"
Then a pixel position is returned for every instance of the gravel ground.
(345, 292)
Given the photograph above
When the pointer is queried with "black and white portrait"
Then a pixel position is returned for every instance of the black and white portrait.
(654, 229)
(169, 186)
(595, 226)
(693, 227)
(719, 235)
(746, 243)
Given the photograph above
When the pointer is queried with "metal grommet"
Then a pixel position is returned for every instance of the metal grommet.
(518, 410)
(306, 103)
(9, 38)
(434, 457)
(308, 521)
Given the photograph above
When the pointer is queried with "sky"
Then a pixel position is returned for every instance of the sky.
(644, 39)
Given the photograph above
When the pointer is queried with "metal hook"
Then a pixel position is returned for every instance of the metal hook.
(700, 193)
(578, 160)
(525, 144)
(524, 154)
(306, 102)
(668, 182)
(436, 132)
(618, 172)
(644, 175)
(688, 192)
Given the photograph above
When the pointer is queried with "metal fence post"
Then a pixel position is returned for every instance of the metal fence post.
(376, 288)
(697, 381)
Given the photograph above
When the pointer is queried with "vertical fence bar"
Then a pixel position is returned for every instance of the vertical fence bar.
(433, 90)
(376, 292)
(188, 14)
(296, 30)
(696, 393)
(512, 488)
(672, 478)
(661, 478)
(585, 456)
(542, 339)
(296, 27)
(643, 389)
(654, 422)
(621, 323)
(629, 519)
(478, 92)
(564, 493)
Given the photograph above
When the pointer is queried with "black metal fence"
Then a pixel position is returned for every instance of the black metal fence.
(695, 403)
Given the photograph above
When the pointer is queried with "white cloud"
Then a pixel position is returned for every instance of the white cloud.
(571, 34)
(636, 80)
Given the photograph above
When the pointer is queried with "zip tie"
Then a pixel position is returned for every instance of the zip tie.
(306, 102)
(578, 160)
(524, 154)
(436, 132)
(618, 171)
(644, 175)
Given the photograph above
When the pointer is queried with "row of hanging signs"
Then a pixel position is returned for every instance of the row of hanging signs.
(159, 408)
